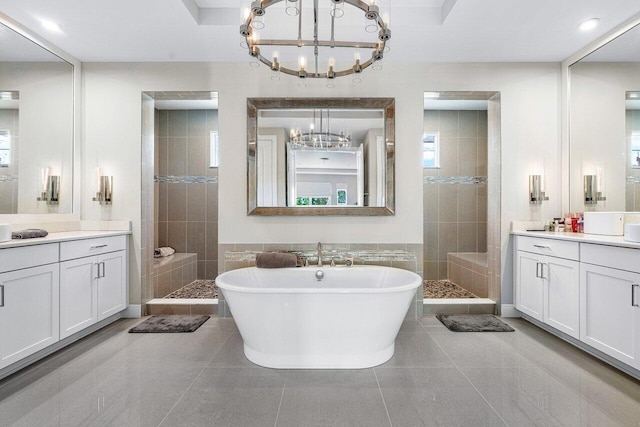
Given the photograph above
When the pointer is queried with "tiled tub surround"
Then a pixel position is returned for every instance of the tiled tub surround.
(469, 270)
(401, 255)
(455, 195)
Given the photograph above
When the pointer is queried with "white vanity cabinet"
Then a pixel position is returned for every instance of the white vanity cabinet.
(610, 301)
(547, 282)
(29, 306)
(92, 282)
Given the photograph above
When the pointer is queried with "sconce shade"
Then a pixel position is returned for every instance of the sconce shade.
(591, 194)
(536, 195)
(51, 193)
(104, 193)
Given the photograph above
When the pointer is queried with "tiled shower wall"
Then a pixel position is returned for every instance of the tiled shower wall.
(455, 195)
(187, 202)
(9, 175)
(632, 186)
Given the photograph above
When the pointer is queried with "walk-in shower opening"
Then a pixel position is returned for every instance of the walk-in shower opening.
(460, 130)
(181, 195)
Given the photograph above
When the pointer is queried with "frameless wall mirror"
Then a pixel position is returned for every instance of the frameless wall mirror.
(320, 156)
(604, 127)
(36, 126)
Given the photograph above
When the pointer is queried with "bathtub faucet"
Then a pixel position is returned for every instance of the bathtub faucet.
(319, 254)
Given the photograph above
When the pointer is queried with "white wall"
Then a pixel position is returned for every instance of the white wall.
(597, 129)
(530, 99)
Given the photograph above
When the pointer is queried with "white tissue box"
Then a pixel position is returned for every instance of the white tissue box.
(5, 232)
(632, 232)
(607, 223)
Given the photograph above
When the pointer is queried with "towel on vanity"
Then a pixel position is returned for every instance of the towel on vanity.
(29, 233)
(163, 252)
(276, 260)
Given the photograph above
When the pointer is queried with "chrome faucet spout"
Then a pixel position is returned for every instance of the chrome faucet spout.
(319, 254)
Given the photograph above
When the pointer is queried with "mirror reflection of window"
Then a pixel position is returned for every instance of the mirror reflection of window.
(635, 149)
(213, 150)
(5, 148)
(431, 150)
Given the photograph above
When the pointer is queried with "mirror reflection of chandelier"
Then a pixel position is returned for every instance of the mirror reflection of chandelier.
(321, 138)
(254, 19)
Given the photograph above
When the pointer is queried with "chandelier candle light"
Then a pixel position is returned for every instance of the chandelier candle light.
(294, 7)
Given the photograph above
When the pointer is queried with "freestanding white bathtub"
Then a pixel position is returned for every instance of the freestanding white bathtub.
(347, 320)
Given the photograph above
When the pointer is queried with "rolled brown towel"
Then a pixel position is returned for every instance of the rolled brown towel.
(29, 233)
(276, 260)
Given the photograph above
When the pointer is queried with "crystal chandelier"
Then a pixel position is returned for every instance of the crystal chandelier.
(254, 19)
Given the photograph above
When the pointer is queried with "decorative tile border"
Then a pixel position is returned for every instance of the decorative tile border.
(633, 179)
(185, 179)
(8, 178)
(455, 179)
(338, 255)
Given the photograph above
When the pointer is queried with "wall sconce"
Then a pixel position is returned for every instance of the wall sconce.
(104, 188)
(50, 192)
(591, 194)
(536, 195)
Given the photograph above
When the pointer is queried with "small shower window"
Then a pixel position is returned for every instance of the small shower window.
(213, 150)
(5, 148)
(635, 149)
(431, 150)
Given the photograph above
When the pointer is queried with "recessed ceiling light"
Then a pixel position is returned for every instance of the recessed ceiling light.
(589, 24)
(432, 95)
(51, 26)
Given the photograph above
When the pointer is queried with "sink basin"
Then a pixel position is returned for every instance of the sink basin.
(607, 223)
(632, 232)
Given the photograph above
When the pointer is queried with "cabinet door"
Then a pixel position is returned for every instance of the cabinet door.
(562, 295)
(78, 295)
(609, 317)
(112, 285)
(29, 311)
(529, 285)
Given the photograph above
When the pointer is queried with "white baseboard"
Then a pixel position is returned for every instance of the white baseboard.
(509, 310)
(133, 311)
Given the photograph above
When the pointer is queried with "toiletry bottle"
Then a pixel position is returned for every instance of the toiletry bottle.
(581, 225)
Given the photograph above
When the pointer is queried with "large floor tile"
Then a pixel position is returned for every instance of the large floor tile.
(417, 350)
(433, 397)
(332, 398)
(230, 397)
(480, 349)
(231, 354)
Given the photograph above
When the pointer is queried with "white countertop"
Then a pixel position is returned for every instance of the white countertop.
(62, 237)
(581, 237)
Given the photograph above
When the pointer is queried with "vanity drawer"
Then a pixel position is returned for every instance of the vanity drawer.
(28, 256)
(94, 246)
(550, 247)
(611, 256)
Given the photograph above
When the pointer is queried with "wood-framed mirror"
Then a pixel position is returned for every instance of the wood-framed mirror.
(320, 156)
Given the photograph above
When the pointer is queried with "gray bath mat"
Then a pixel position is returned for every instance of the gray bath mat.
(173, 323)
(473, 323)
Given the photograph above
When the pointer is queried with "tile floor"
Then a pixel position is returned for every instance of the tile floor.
(436, 377)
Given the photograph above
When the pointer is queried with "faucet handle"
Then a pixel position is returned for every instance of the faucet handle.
(306, 261)
(333, 262)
